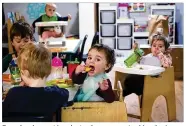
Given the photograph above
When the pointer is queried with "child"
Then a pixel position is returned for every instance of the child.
(159, 56)
(100, 59)
(50, 15)
(34, 99)
(20, 33)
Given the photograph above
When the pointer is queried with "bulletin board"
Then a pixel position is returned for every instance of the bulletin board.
(34, 10)
(136, 7)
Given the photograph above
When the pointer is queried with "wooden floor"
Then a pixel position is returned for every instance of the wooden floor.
(159, 109)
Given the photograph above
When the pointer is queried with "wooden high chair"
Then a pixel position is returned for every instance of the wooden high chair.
(9, 25)
(97, 111)
(153, 87)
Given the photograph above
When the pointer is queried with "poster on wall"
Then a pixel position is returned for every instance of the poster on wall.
(136, 7)
(34, 10)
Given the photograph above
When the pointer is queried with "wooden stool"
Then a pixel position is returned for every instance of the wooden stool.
(153, 87)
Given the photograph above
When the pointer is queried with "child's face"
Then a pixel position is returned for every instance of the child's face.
(157, 46)
(50, 11)
(19, 42)
(98, 61)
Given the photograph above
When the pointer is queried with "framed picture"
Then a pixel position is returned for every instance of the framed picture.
(136, 7)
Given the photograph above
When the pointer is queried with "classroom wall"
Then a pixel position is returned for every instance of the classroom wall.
(31, 11)
(86, 23)
(179, 22)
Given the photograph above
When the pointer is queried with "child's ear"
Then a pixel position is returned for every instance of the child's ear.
(107, 66)
(25, 73)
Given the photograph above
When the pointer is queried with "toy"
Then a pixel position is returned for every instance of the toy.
(134, 57)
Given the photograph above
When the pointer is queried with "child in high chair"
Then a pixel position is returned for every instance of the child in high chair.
(159, 56)
(96, 86)
(34, 99)
(51, 15)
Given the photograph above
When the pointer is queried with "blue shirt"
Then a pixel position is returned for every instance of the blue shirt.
(37, 101)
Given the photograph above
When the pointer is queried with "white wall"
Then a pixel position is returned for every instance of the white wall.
(86, 23)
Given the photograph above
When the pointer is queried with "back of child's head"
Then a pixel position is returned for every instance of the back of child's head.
(108, 52)
(22, 29)
(36, 59)
(160, 37)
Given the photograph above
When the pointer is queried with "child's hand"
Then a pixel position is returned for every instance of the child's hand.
(157, 52)
(69, 17)
(80, 69)
(135, 46)
(104, 85)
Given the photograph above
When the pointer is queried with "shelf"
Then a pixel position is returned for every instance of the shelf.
(125, 20)
(141, 34)
(164, 7)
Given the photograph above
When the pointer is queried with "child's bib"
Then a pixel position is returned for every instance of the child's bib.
(90, 86)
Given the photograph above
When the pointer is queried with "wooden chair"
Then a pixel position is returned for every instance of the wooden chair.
(154, 87)
(97, 111)
(9, 25)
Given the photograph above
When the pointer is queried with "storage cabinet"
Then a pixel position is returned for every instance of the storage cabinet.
(116, 33)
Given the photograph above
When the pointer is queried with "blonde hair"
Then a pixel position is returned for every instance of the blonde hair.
(36, 59)
(50, 5)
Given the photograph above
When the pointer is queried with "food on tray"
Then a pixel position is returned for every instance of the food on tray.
(62, 83)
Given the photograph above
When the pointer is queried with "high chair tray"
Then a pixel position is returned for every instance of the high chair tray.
(56, 41)
(52, 23)
(139, 69)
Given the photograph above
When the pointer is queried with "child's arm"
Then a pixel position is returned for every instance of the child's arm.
(107, 95)
(64, 93)
(166, 59)
(78, 78)
(37, 20)
(64, 18)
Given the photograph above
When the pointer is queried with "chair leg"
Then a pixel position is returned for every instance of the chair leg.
(171, 107)
(146, 109)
